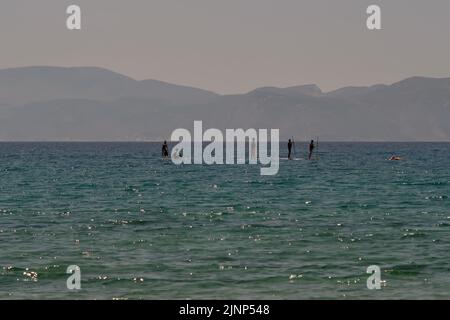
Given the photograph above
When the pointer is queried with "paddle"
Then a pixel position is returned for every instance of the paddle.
(293, 147)
(317, 148)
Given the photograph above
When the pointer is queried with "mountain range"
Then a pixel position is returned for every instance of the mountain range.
(95, 104)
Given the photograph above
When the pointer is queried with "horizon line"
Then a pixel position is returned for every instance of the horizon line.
(169, 141)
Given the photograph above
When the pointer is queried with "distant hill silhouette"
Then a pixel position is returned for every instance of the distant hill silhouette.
(53, 103)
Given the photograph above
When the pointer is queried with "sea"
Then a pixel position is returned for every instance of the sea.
(139, 227)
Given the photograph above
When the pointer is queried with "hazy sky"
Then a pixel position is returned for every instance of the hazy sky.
(232, 46)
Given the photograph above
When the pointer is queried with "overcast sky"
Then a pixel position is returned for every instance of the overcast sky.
(233, 46)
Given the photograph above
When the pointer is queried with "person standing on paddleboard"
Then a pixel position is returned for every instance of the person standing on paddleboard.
(165, 150)
(290, 143)
(311, 149)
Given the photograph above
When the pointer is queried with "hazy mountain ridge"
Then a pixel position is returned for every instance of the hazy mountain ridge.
(52, 103)
(34, 84)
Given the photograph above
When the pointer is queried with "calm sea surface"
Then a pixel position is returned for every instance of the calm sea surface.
(140, 227)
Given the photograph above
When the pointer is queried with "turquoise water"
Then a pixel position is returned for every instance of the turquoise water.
(140, 227)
